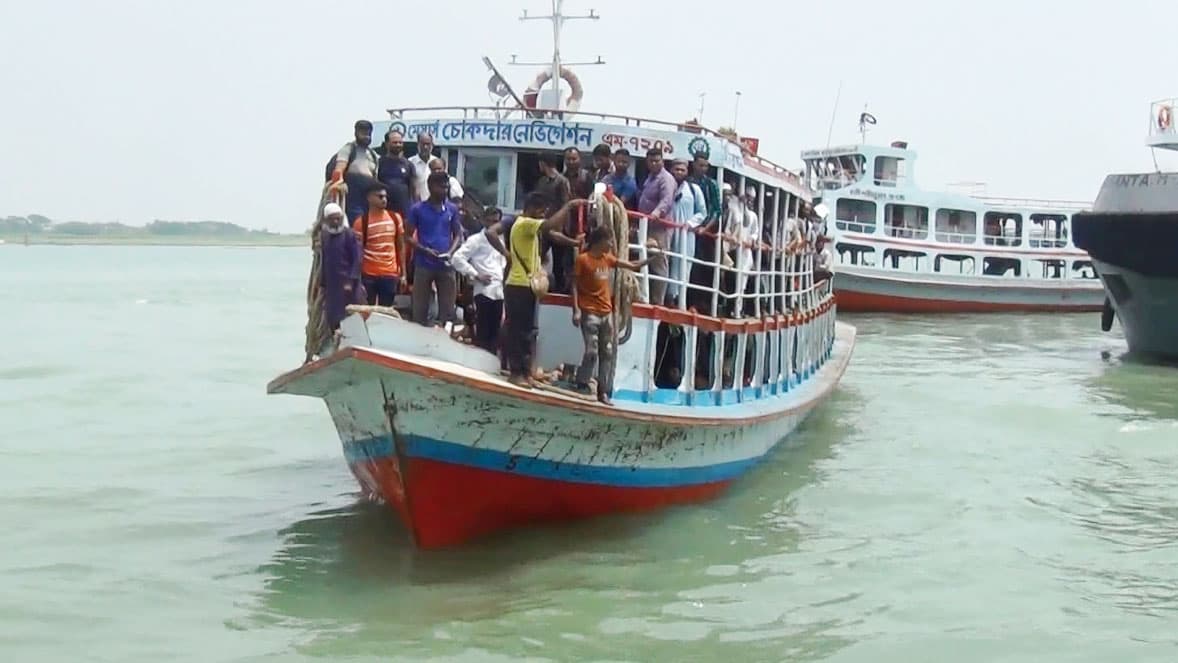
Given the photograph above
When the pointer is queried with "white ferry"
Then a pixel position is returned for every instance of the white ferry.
(901, 249)
(431, 426)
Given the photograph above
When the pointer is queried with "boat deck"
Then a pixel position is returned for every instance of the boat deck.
(353, 364)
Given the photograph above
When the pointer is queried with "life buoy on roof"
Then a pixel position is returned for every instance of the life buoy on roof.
(1165, 117)
(532, 94)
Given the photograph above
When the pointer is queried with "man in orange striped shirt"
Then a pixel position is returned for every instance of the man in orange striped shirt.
(381, 234)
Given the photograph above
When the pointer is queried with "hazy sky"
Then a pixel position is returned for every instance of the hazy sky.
(138, 109)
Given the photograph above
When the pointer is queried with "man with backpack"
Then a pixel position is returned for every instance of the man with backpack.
(382, 245)
(355, 166)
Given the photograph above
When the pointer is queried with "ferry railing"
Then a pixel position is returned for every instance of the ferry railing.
(500, 113)
(765, 280)
(855, 226)
(951, 237)
(1035, 203)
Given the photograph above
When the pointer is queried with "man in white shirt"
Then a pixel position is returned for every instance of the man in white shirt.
(477, 260)
(823, 260)
(438, 165)
(746, 235)
(420, 162)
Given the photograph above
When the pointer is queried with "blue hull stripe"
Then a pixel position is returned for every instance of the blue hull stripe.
(627, 476)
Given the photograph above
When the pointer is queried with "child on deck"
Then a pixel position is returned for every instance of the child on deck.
(592, 309)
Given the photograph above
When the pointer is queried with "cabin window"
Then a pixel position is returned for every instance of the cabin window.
(489, 177)
(1051, 268)
(839, 171)
(527, 174)
(1003, 229)
(1083, 269)
(906, 221)
(904, 259)
(855, 215)
(951, 263)
(956, 226)
(993, 266)
(889, 171)
(669, 346)
(1048, 231)
(855, 254)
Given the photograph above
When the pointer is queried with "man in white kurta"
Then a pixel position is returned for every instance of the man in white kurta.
(688, 212)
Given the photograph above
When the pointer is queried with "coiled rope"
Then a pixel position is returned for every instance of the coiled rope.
(611, 213)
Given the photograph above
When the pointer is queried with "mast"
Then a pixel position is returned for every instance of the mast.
(557, 18)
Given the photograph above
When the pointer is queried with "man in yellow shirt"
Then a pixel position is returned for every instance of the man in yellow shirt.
(523, 254)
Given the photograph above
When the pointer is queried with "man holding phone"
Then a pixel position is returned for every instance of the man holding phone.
(435, 232)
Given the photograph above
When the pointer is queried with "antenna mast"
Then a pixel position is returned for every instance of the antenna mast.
(557, 17)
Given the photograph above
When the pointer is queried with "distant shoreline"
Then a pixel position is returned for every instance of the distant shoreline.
(39, 239)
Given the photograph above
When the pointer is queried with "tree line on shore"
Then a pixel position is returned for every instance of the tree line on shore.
(36, 224)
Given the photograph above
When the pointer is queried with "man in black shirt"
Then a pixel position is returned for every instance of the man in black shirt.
(580, 179)
(395, 172)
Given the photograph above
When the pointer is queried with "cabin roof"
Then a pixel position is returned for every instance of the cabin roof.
(481, 126)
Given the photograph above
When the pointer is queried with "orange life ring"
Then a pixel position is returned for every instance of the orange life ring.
(1164, 118)
(576, 92)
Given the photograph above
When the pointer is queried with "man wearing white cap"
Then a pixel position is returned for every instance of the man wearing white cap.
(339, 269)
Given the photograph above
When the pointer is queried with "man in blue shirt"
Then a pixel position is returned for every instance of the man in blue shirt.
(624, 184)
(435, 232)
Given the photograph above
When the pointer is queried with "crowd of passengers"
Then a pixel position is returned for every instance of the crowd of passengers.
(404, 227)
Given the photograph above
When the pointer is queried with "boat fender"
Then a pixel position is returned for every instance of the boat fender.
(1106, 315)
(1165, 118)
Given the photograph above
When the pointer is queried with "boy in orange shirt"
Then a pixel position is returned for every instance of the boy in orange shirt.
(592, 309)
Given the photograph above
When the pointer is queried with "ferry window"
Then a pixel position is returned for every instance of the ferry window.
(1001, 266)
(1083, 269)
(527, 174)
(668, 370)
(907, 221)
(956, 226)
(486, 176)
(889, 171)
(855, 254)
(904, 259)
(1048, 231)
(1003, 229)
(855, 215)
(1051, 268)
(951, 263)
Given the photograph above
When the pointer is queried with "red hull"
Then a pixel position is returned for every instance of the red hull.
(444, 504)
(859, 302)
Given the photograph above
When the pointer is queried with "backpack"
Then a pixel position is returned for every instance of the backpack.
(331, 162)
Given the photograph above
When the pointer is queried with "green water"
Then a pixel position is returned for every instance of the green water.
(979, 489)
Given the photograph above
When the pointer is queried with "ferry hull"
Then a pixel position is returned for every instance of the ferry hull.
(459, 455)
(1131, 238)
(866, 293)
(1147, 307)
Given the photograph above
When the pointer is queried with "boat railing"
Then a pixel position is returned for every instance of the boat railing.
(866, 227)
(1035, 203)
(784, 332)
(503, 113)
(950, 237)
(762, 278)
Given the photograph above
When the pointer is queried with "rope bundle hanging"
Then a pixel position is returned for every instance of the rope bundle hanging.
(317, 333)
(612, 214)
